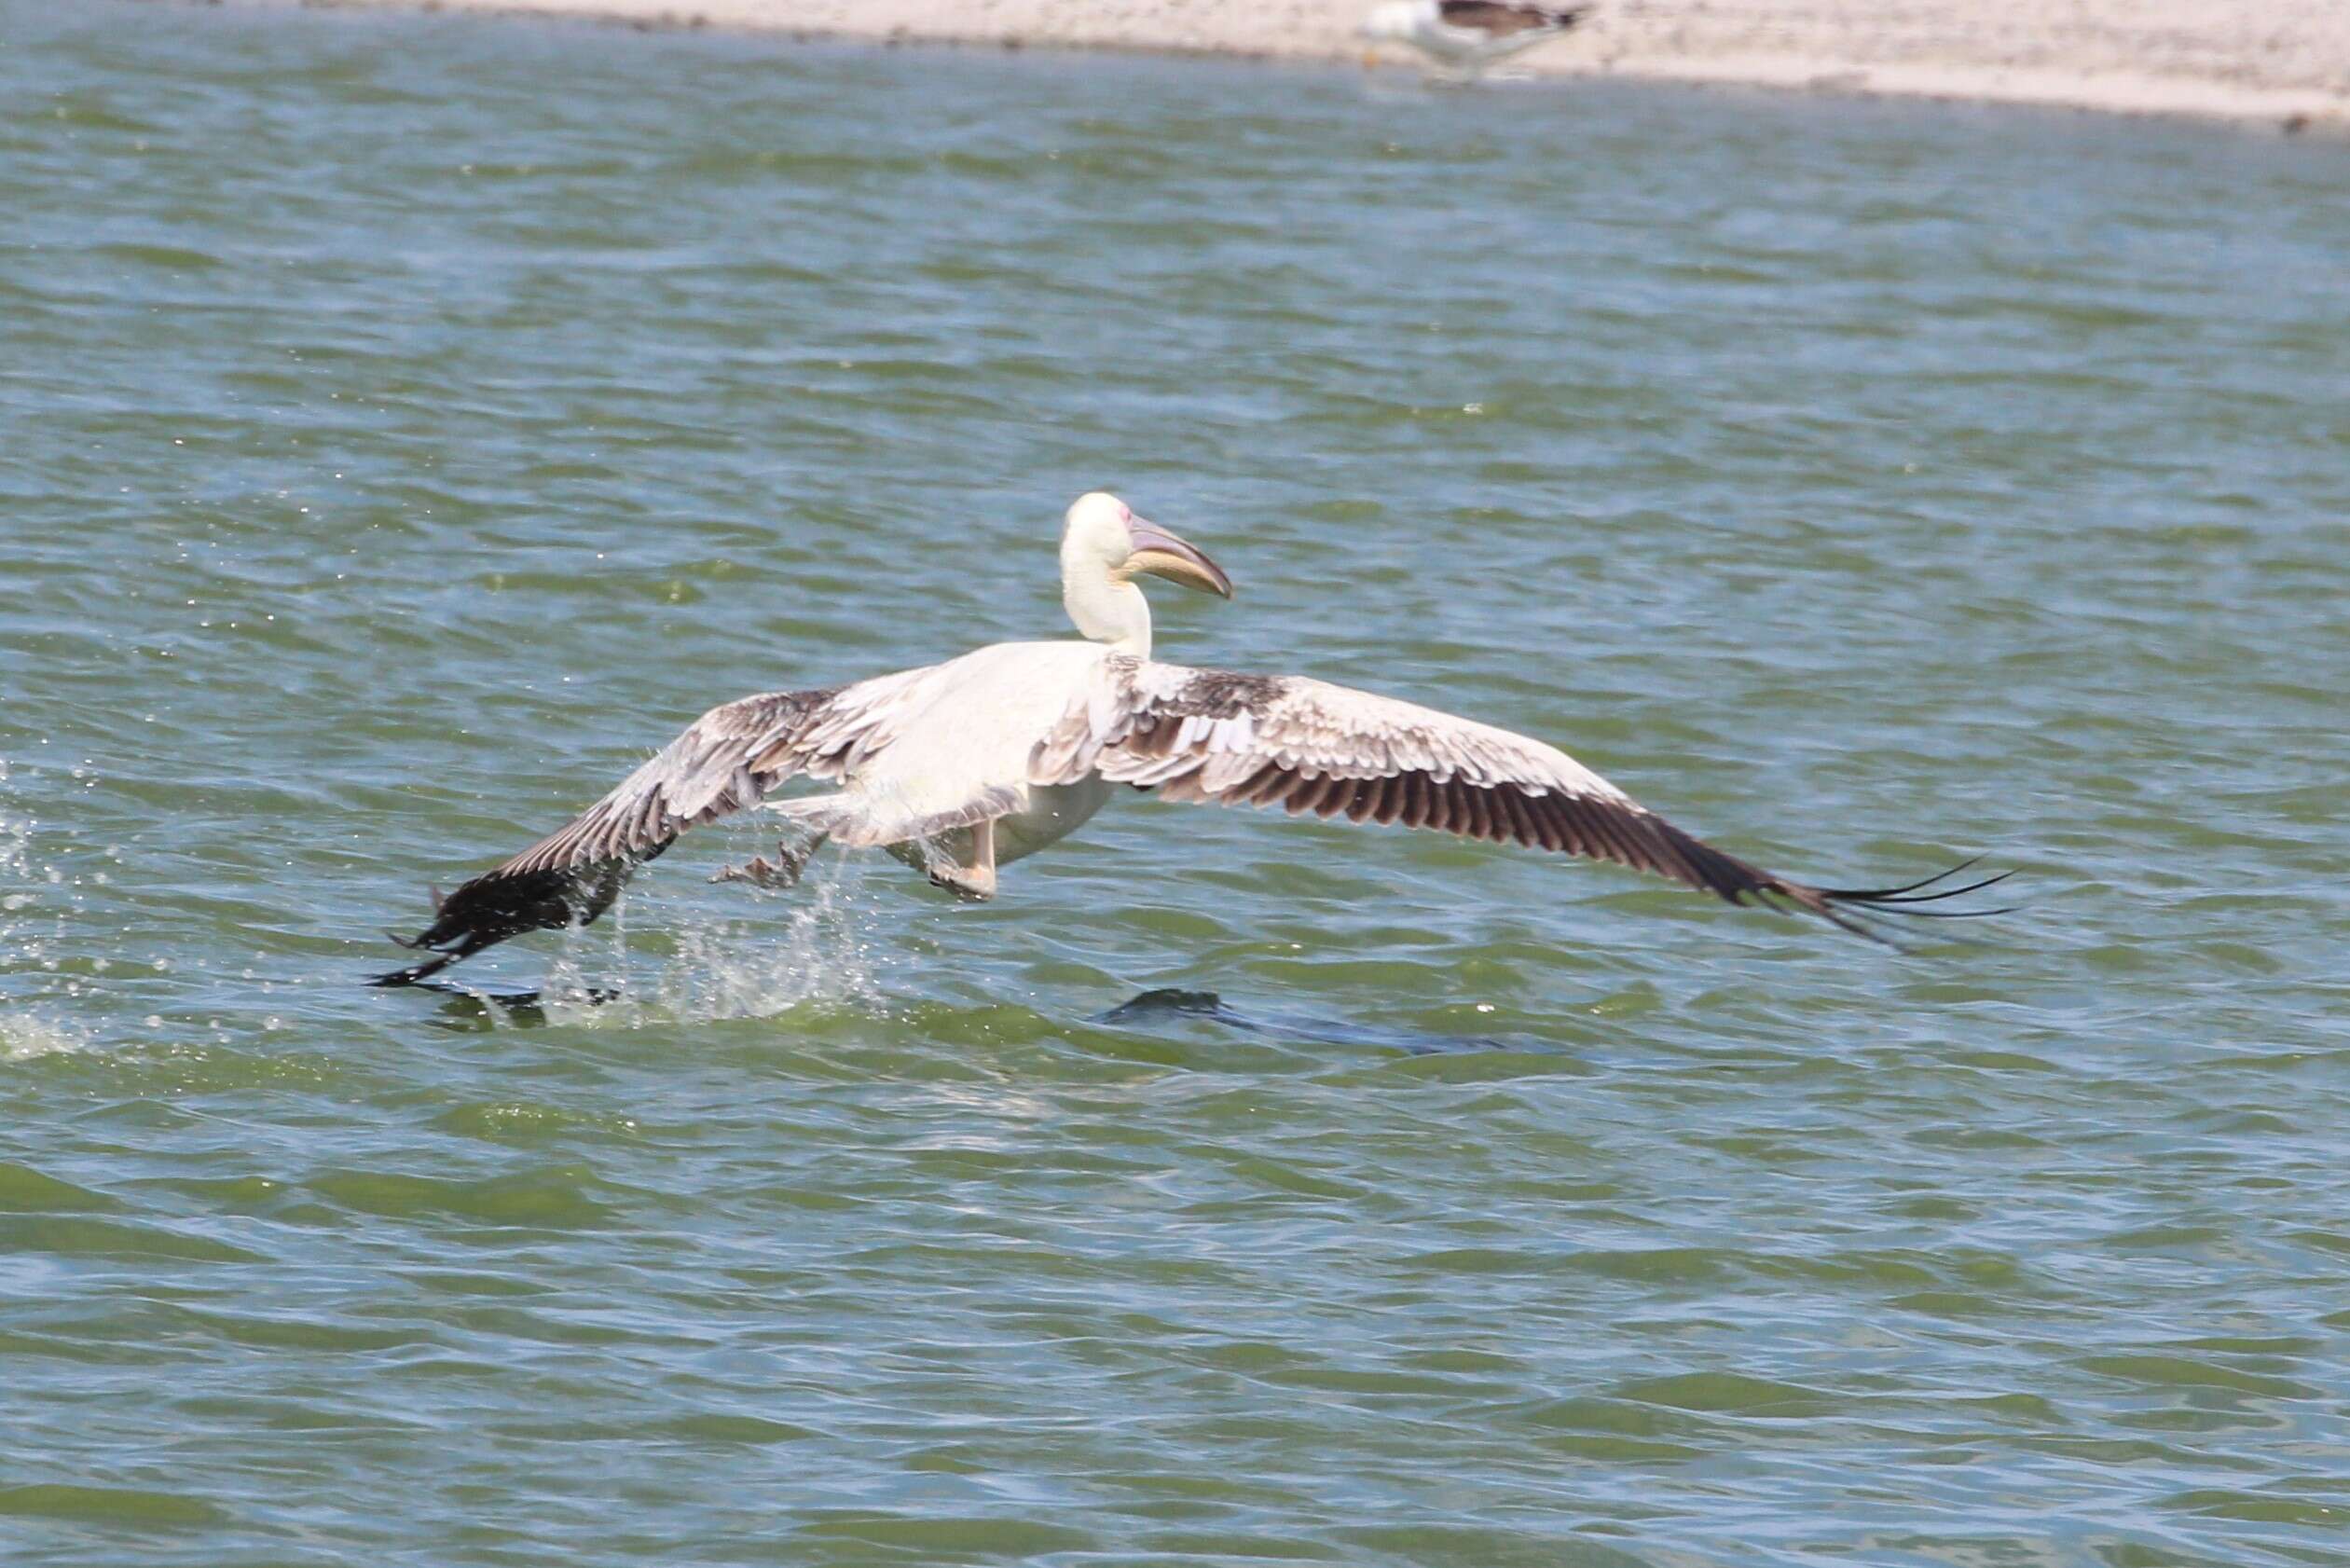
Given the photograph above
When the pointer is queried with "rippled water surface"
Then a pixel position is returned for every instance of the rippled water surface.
(407, 422)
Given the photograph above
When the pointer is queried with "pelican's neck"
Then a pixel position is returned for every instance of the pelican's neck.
(1105, 609)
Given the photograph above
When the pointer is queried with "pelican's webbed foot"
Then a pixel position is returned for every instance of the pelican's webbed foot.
(976, 881)
(760, 872)
(782, 872)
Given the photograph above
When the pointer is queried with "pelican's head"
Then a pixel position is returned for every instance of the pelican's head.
(1394, 21)
(1101, 535)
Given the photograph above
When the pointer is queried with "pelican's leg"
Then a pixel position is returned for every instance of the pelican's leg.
(781, 872)
(978, 879)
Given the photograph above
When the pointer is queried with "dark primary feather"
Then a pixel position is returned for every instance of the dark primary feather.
(726, 761)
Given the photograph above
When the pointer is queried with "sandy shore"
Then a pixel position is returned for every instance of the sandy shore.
(2283, 62)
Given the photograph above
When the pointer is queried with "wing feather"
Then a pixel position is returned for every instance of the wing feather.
(726, 761)
(1231, 739)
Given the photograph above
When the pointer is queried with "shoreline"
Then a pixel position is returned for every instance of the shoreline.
(2285, 64)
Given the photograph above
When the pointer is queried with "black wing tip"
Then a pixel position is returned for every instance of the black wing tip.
(1880, 895)
(449, 941)
(415, 974)
(1853, 908)
(505, 902)
(1843, 921)
(1889, 901)
(447, 947)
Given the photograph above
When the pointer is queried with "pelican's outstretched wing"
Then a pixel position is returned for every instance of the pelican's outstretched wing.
(726, 760)
(1205, 735)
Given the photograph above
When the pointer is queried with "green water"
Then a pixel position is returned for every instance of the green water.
(407, 422)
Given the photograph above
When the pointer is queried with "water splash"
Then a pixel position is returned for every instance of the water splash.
(810, 944)
(750, 968)
(17, 880)
(28, 937)
(24, 1036)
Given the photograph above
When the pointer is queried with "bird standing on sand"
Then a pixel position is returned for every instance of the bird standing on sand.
(1464, 37)
(962, 767)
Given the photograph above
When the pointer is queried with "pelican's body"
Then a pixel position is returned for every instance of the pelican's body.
(966, 766)
(966, 730)
(964, 735)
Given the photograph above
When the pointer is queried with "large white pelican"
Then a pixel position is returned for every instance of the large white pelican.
(966, 766)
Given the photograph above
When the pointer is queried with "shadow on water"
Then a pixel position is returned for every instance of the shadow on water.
(1171, 1002)
(466, 1011)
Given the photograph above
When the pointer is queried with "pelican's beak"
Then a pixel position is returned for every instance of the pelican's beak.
(1162, 555)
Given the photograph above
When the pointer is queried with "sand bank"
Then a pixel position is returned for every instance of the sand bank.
(2283, 62)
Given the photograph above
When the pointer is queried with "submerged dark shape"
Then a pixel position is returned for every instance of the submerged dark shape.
(1170, 1000)
(1174, 1002)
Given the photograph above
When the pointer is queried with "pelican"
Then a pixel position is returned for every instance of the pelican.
(1464, 37)
(965, 767)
